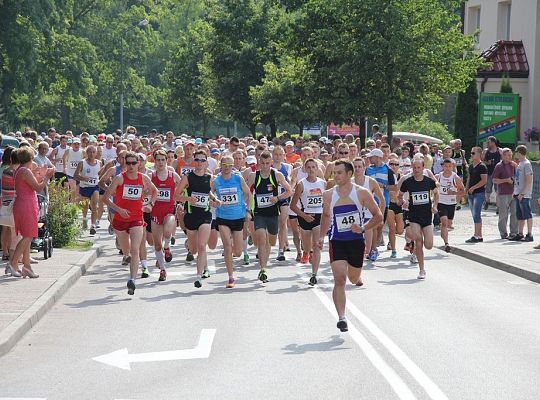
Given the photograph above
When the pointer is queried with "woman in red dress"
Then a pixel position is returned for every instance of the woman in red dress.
(26, 210)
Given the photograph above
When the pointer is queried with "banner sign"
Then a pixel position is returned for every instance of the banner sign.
(343, 130)
(313, 130)
(498, 115)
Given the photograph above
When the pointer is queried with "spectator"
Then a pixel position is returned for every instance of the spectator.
(428, 160)
(523, 185)
(26, 210)
(491, 156)
(476, 188)
(9, 165)
(503, 177)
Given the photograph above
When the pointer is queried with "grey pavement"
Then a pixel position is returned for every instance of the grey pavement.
(466, 332)
(518, 258)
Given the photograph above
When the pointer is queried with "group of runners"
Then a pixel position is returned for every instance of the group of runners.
(254, 192)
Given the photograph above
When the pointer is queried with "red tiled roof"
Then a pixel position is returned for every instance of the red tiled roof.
(506, 57)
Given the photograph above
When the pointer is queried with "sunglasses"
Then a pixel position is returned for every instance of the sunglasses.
(394, 164)
(473, 153)
(132, 162)
(199, 159)
(343, 152)
(226, 165)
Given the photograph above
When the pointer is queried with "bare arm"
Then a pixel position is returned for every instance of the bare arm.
(294, 202)
(326, 217)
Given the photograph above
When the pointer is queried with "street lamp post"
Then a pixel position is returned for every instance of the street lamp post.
(140, 24)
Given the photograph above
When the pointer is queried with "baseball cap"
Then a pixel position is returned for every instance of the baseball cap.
(289, 143)
(131, 136)
(76, 140)
(178, 142)
(198, 141)
(376, 153)
(101, 136)
(251, 160)
(215, 151)
(447, 147)
(189, 142)
(324, 139)
(324, 152)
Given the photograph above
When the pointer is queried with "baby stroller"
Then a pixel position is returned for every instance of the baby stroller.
(44, 241)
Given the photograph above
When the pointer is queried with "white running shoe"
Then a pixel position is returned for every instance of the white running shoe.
(422, 274)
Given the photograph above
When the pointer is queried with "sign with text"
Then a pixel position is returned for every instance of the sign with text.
(498, 115)
(342, 130)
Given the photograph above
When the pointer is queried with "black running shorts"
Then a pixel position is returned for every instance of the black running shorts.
(351, 251)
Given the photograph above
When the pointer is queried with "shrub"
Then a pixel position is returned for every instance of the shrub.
(63, 216)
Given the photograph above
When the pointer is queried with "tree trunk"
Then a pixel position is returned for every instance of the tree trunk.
(389, 126)
(65, 123)
(300, 129)
(205, 126)
(273, 129)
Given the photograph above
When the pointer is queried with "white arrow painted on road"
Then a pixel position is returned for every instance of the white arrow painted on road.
(122, 359)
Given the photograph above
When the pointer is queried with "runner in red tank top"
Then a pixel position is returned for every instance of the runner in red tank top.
(128, 222)
(163, 212)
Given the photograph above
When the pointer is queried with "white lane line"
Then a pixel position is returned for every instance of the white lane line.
(429, 386)
(397, 384)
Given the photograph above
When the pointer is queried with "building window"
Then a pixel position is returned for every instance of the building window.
(503, 20)
(474, 22)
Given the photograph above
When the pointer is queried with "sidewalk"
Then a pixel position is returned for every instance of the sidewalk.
(25, 301)
(518, 258)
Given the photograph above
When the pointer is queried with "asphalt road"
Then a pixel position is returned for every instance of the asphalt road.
(467, 332)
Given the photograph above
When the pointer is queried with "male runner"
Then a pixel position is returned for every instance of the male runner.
(422, 204)
(278, 156)
(128, 223)
(71, 159)
(266, 182)
(451, 185)
(342, 209)
(87, 173)
(57, 158)
(308, 193)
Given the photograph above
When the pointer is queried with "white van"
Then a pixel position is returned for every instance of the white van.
(417, 138)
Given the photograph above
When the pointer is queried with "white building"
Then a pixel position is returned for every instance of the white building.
(510, 30)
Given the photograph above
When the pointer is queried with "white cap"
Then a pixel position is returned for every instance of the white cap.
(178, 142)
(289, 143)
(376, 153)
(251, 160)
(131, 136)
(76, 140)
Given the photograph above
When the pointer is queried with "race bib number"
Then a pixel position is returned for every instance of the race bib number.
(146, 201)
(314, 201)
(164, 195)
(132, 192)
(459, 162)
(263, 200)
(60, 162)
(74, 164)
(185, 170)
(419, 198)
(203, 199)
(228, 196)
(345, 221)
(92, 182)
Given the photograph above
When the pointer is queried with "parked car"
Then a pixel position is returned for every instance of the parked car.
(417, 138)
(9, 141)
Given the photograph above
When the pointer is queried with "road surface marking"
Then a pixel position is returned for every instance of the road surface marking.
(122, 359)
(429, 386)
(397, 384)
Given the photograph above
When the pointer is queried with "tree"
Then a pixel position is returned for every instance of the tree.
(506, 87)
(389, 59)
(422, 124)
(467, 116)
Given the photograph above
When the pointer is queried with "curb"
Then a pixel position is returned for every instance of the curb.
(18, 328)
(511, 269)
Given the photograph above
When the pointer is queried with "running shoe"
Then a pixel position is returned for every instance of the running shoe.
(413, 259)
(342, 325)
(537, 247)
(162, 275)
(447, 248)
(250, 240)
(422, 274)
(92, 230)
(145, 273)
(374, 254)
(298, 257)
(280, 257)
(360, 282)
(168, 254)
(528, 238)
(263, 277)
(246, 259)
(388, 246)
(98, 223)
(205, 274)
(126, 260)
(313, 280)
(197, 284)
(474, 239)
(458, 207)
(189, 257)
(230, 284)
(173, 240)
(305, 258)
(111, 230)
(394, 254)
(486, 205)
(131, 287)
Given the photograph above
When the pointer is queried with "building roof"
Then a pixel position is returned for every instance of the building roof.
(506, 57)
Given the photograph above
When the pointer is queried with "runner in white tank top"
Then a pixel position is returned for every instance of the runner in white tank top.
(72, 157)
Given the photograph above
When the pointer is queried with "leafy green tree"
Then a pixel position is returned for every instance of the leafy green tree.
(422, 124)
(467, 116)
